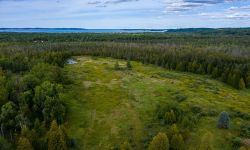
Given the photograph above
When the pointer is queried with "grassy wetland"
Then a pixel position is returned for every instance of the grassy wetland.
(108, 106)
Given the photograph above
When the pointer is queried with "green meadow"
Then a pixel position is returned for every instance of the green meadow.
(107, 107)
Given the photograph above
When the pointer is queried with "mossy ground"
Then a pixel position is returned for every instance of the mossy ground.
(108, 107)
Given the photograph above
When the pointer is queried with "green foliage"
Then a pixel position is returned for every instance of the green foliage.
(26, 64)
(126, 146)
(169, 112)
(177, 142)
(173, 130)
(3, 90)
(248, 80)
(181, 67)
(8, 114)
(30, 81)
(117, 66)
(196, 109)
(5, 145)
(189, 122)
(129, 66)
(180, 98)
(45, 72)
(236, 142)
(245, 130)
(159, 142)
(24, 144)
(170, 117)
(56, 138)
(242, 84)
(46, 101)
(134, 95)
(206, 142)
(223, 121)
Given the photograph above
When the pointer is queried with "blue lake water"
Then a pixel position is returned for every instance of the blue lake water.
(77, 30)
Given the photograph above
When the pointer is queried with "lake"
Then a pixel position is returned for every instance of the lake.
(78, 30)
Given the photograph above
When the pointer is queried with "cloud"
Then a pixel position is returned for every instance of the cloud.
(109, 2)
(232, 13)
(94, 2)
(119, 1)
(185, 5)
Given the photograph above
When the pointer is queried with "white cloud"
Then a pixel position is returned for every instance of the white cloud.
(230, 13)
(185, 5)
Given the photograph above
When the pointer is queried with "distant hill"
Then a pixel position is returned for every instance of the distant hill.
(225, 31)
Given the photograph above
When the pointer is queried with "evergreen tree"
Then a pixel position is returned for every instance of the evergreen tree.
(159, 142)
(215, 73)
(201, 69)
(180, 67)
(248, 80)
(4, 144)
(242, 84)
(56, 138)
(126, 146)
(24, 144)
(206, 142)
(172, 131)
(170, 117)
(129, 66)
(3, 91)
(177, 142)
(117, 66)
(7, 116)
(223, 121)
(209, 68)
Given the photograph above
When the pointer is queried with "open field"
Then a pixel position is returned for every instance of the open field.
(108, 107)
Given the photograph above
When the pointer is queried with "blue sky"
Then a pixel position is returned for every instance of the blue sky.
(125, 13)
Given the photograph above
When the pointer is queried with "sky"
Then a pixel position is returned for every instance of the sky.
(124, 14)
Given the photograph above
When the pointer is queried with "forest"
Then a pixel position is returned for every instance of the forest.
(35, 112)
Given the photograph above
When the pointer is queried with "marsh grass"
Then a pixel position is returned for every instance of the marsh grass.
(108, 107)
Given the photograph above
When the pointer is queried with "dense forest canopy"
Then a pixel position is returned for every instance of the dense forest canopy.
(32, 110)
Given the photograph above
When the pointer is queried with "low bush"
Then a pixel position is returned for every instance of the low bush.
(180, 98)
(245, 130)
(196, 109)
(236, 142)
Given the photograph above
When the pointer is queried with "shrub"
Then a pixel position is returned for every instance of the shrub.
(159, 142)
(196, 109)
(163, 108)
(126, 146)
(242, 115)
(206, 142)
(180, 98)
(177, 142)
(236, 142)
(189, 122)
(24, 144)
(245, 131)
(242, 84)
(211, 113)
(129, 66)
(172, 131)
(223, 121)
(4, 144)
(56, 137)
(117, 66)
(170, 117)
